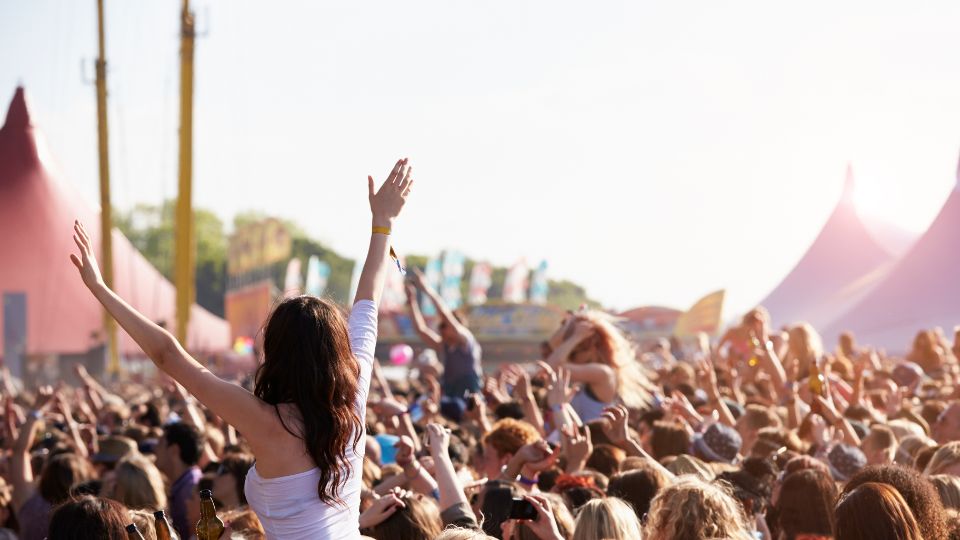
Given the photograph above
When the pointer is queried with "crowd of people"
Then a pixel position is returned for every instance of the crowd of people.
(765, 434)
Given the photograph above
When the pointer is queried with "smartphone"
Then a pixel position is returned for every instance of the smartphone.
(522, 509)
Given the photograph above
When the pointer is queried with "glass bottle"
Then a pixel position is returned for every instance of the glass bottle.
(162, 526)
(209, 527)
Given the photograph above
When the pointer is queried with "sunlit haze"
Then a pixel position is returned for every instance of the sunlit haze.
(652, 152)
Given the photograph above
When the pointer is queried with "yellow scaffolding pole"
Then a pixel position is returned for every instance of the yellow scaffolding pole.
(184, 257)
(106, 221)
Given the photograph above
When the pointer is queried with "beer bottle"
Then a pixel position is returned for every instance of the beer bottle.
(209, 527)
(162, 526)
(816, 380)
(133, 533)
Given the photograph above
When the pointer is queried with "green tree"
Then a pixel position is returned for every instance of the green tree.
(150, 228)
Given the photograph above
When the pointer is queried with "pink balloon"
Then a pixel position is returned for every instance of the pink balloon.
(401, 354)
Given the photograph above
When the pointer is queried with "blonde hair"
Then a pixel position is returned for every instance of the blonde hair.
(145, 523)
(609, 518)
(692, 509)
(805, 345)
(614, 350)
(948, 486)
(453, 532)
(139, 484)
(945, 457)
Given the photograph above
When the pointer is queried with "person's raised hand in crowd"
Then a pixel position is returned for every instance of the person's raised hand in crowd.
(383, 508)
(529, 461)
(438, 440)
(86, 263)
(576, 446)
(616, 425)
(544, 527)
(387, 202)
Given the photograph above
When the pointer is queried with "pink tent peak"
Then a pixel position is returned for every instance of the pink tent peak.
(840, 267)
(37, 214)
(920, 292)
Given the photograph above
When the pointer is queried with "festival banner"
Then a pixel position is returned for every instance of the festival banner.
(704, 316)
(433, 274)
(318, 272)
(394, 297)
(452, 276)
(293, 282)
(479, 284)
(515, 284)
(539, 287)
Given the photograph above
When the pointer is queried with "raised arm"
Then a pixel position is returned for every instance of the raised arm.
(430, 338)
(385, 205)
(442, 308)
(229, 401)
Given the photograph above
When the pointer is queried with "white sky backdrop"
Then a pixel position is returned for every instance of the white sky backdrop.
(650, 151)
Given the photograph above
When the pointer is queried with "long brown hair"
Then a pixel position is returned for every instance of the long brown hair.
(875, 511)
(307, 362)
(805, 504)
(89, 517)
(418, 520)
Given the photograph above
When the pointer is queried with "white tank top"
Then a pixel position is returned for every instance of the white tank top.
(289, 507)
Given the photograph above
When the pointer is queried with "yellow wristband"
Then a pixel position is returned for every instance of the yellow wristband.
(381, 230)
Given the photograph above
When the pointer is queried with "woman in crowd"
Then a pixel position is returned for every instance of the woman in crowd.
(601, 361)
(691, 509)
(875, 511)
(303, 420)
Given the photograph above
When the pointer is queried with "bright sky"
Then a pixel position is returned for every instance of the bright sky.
(652, 151)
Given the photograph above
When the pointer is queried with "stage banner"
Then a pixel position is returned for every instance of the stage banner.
(433, 274)
(452, 276)
(318, 272)
(293, 282)
(246, 309)
(479, 284)
(258, 245)
(539, 287)
(705, 316)
(515, 284)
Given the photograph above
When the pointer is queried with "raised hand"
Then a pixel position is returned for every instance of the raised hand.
(576, 445)
(438, 439)
(86, 262)
(615, 424)
(386, 203)
(383, 508)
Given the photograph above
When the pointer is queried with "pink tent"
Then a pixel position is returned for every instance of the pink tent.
(36, 217)
(921, 292)
(844, 263)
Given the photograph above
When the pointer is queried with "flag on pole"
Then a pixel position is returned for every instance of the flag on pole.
(293, 282)
(479, 284)
(355, 281)
(539, 288)
(704, 316)
(452, 276)
(318, 272)
(433, 274)
(515, 284)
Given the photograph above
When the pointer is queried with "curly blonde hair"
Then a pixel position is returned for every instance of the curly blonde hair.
(691, 509)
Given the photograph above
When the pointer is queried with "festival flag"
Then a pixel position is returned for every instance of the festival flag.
(293, 282)
(539, 287)
(452, 276)
(479, 284)
(354, 281)
(515, 284)
(318, 272)
(433, 274)
(704, 316)
(394, 297)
